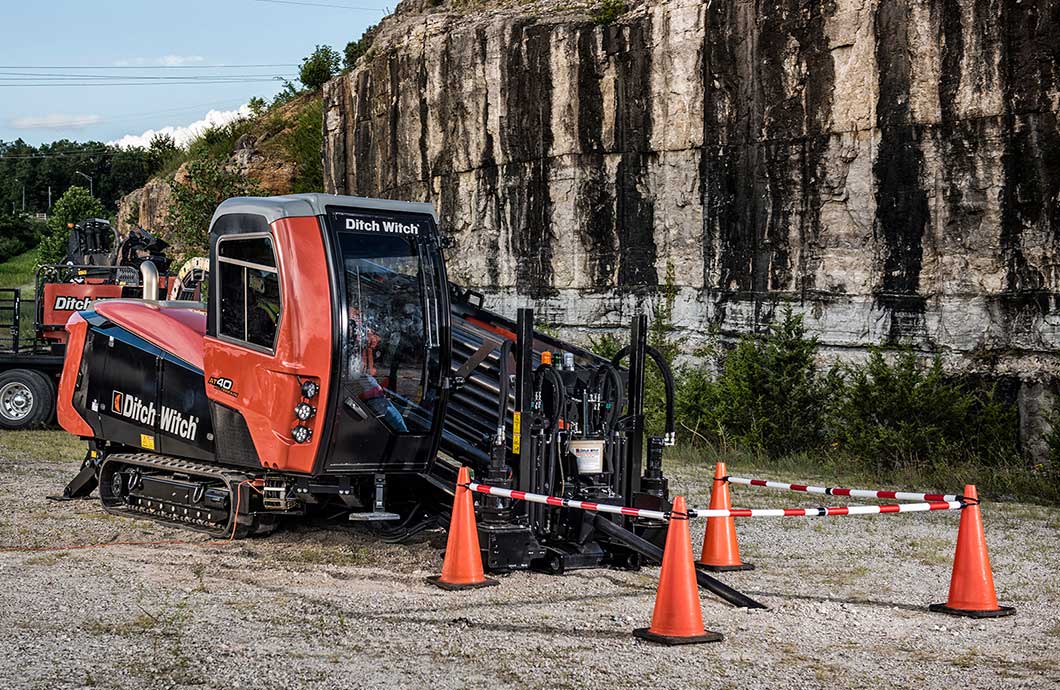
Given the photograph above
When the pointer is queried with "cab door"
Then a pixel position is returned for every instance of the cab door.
(269, 335)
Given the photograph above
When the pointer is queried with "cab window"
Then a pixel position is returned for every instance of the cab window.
(249, 290)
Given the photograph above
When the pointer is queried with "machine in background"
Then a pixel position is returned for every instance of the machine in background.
(98, 265)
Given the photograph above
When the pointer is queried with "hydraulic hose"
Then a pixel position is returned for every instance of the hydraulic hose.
(504, 388)
(668, 381)
(599, 379)
(654, 553)
(559, 403)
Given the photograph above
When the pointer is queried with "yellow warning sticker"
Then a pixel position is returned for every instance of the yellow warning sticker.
(147, 441)
(517, 425)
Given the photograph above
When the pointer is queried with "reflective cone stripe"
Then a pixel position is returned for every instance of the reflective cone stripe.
(720, 548)
(839, 491)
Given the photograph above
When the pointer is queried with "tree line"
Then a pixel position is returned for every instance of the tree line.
(108, 171)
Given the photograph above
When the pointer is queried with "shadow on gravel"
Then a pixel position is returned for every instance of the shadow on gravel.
(837, 600)
(580, 633)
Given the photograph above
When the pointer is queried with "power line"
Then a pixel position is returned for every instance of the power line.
(30, 76)
(100, 84)
(322, 4)
(143, 66)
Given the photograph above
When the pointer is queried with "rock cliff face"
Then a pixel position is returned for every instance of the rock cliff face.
(890, 168)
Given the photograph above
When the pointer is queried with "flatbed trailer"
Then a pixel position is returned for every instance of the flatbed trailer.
(31, 359)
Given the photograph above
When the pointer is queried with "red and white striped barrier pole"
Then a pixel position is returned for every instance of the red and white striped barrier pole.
(839, 491)
(831, 511)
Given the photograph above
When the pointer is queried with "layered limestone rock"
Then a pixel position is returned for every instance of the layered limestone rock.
(891, 169)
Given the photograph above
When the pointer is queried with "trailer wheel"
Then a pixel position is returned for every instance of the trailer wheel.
(27, 399)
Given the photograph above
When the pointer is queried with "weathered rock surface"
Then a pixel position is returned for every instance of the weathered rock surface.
(891, 169)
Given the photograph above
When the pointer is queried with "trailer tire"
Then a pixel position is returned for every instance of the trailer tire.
(27, 399)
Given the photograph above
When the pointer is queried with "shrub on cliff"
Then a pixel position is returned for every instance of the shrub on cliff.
(320, 66)
(608, 11)
(355, 49)
(73, 206)
(302, 143)
(207, 184)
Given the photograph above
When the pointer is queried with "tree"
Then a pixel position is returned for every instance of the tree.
(208, 183)
(257, 106)
(17, 234)
(355, 49)
(73, 206)
(319, 67)
(163, 147)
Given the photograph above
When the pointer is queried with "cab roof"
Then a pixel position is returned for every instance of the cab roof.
(274, 208)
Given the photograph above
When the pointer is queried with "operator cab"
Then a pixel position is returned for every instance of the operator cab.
(337, 307)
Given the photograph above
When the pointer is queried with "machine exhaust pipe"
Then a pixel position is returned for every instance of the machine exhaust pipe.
(149, 276)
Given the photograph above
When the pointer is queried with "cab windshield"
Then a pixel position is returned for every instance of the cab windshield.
(385, 360)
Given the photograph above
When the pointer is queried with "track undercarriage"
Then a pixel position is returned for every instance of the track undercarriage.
(206, 498)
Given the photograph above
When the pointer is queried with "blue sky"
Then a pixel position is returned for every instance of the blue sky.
(151, 34)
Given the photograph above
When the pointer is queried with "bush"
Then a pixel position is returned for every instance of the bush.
(355, 49)
(900, 414)
(769, 395)
(319, 67)
(17, 235)
(609, 11)
(303, 144)
(208, 183)
(161, 153)
(73, 206)
(219, 141)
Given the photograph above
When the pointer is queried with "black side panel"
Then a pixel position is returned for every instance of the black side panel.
(119, 396)
(184, 425)
(234, 444)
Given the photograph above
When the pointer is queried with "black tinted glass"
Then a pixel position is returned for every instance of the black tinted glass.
(257, 250)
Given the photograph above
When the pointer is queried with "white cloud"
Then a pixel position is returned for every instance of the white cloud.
(55, 121)
(184, 134)
(165, 61)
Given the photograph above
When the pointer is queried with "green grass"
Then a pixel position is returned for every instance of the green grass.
(1008, 482)
(47, 445)
(18, 272)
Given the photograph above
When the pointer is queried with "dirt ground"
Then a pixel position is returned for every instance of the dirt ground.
(330, 607)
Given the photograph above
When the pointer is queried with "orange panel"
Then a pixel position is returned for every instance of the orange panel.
(68, 417)
(177, 330)
(266, 387)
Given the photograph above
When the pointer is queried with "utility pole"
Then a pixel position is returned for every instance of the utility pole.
(49, 198)
(89, 178)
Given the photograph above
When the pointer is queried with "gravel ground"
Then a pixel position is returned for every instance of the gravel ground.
(314, 606)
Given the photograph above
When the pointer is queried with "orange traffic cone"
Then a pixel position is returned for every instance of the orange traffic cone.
(972, 590)
(720, 552)
(677, 618)
(462, 568)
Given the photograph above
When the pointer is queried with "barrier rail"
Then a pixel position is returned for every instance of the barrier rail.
(831, 511)
(839, 491)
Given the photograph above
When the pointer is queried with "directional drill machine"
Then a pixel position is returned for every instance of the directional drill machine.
(333, 365)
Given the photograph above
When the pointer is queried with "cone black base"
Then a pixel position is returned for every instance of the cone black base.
(724, 568)
(436, 580)
(647, 634)
(999, 612)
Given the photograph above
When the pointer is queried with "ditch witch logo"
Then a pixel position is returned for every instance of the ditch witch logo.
(68, 303)
(173, 422)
